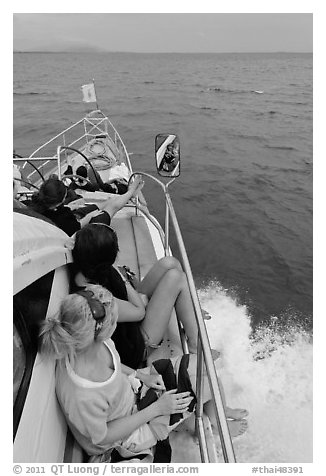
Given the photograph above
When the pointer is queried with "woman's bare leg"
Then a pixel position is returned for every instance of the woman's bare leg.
(155, 274)
(181, 300)
(237, 426)
(230, 413)
(166, 290)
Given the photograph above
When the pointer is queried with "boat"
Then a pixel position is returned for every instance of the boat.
(42, 258)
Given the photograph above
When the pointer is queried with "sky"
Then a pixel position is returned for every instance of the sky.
(164, 32)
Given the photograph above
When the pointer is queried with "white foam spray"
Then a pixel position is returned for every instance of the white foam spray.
(270, 376)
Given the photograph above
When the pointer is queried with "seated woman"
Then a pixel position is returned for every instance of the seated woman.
(95, 181)
(99, 396)
(111, 186)
(51, 198)
(169, 159)
(144, 312)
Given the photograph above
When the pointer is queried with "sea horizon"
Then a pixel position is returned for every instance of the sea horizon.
(95, 50)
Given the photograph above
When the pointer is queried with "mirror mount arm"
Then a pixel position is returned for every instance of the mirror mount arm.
(165, 187)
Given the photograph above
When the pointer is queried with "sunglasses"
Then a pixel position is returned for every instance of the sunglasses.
(97, 309)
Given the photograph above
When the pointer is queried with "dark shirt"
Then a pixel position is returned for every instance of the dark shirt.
(127, 337)
(88, 187)
(64, 218)
(102, 217)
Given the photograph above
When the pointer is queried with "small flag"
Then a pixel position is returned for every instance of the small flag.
(88, 91)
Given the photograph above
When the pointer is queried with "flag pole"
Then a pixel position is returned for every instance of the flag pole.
(95, 93)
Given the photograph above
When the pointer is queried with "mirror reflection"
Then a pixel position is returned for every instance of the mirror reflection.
(167, 151)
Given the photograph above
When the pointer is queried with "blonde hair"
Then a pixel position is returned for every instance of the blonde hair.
(73, 330)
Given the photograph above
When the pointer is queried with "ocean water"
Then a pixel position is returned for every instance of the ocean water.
(243, 200)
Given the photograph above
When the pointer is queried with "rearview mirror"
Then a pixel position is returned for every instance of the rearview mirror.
(167, 154)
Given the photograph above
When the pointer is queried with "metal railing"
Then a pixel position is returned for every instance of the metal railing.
(204, 356)
(88, 128)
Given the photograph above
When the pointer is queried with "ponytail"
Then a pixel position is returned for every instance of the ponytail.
(55, 340)
(73, 330)
(69, 333)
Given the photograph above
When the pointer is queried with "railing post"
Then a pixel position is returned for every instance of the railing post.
(59, 161)
(166, 230)
(226, 442)
(199, 405)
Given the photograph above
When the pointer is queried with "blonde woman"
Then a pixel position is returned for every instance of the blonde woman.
(107, 404)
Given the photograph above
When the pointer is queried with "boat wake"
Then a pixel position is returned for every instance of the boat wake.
(233, 91)
(268, 372)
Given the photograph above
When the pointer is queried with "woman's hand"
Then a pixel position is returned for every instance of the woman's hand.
(151, 381)
(130, 277)
(172, 402)
(136, 185)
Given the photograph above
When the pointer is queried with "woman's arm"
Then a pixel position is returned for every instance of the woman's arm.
(123, 427)
(128, 275)
(128, 311)
(134, 296)
(127, 370)
(100, 207)
(170, 402)
(114, 204)
(88, 217)
(150, 380)
(133, 309)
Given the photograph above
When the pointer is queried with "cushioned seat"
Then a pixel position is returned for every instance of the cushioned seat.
(135, 244)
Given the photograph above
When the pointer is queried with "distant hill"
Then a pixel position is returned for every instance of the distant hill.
(56, 47)
(61, 50)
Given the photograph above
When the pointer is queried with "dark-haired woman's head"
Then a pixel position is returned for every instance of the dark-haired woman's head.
(96, 245)
(52, 194)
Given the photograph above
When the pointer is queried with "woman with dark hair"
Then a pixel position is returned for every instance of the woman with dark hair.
(144, 313)
(51, 198)
(49, 201)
